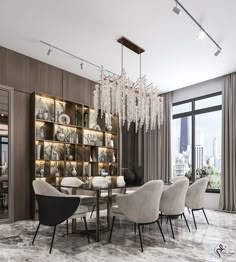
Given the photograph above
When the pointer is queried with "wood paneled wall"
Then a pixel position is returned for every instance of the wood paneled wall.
(27, 75)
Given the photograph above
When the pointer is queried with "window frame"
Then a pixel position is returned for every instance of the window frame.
(193, 113)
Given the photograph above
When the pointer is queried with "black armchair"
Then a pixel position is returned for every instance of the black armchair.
(55, 207)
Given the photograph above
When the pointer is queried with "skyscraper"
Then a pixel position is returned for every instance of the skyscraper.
(184, 135)
(199, 156)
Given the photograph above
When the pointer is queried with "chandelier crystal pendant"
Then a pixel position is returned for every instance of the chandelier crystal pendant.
(134, 102)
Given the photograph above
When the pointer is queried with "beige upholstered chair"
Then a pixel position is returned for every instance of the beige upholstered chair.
(56, 207)
(177, 178)
(86, 199)
(172, 202)
(140, 207)
(195, 197)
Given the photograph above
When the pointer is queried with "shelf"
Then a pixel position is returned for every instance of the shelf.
(57, 142)
(105, 162)
(93, 130)
(43, 121)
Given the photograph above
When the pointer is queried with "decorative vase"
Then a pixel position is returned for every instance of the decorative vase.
(38, 151)
(42, 132)
(41, 172)
(70, 157)
(120, 181)
(113, 158)
(45, 115)
(109, 128)
(74, 172)
(111, 143)
(60, 136)
(39, 115)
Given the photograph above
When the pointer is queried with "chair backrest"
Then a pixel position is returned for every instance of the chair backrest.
(54, 206)
(142, 206)
(70, 181)
(45, 189)
(173, 198)
(177, 178)
(196, 193)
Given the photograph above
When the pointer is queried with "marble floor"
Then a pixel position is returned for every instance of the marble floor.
(15, 242)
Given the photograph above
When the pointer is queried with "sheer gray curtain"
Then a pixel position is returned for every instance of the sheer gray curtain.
(157, 148)
(228, 178)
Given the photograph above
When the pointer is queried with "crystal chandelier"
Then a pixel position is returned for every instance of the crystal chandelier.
(132, 101)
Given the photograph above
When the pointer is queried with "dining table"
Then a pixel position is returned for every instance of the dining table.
(97, 192)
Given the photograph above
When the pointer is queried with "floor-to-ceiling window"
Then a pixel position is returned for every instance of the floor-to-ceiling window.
(196, 139)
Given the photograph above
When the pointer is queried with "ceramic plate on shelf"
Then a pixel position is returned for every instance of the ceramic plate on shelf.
(64, 119)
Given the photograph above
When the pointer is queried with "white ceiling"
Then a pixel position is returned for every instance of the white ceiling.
(174, 56)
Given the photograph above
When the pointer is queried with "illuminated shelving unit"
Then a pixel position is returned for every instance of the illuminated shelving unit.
(67, 140)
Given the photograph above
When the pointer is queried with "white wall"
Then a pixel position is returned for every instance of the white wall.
(200, 89)
(212, 201)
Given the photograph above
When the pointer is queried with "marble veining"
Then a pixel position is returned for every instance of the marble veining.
(196, 246)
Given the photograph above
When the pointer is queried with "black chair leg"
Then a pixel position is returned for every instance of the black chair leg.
(161, 218)
(205, 216)
(140, 237)
(85, 224)
(186, 222)
(92, 211)
(54, 231)
(67, 227)
(172, 228)
(194, 220)
(167, 218)
(112, 224)
(36, 233)
(161, 231)
(135, 228)
(143, 228)
(188, 210)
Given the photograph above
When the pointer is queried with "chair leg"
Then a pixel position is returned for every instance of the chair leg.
(54, 231)
(172, 228)
(142, 228)
(161, 231)
(194, 220)
(188, 210)
(67, 227)
(186, 222)
(36, 233)
(140, 237)
(92, 211)
(205, 216)
(112, 224)
(161, 218)
(135, 227)
(167, 218)
(85, 224)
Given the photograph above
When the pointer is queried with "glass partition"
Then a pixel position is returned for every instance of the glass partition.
(5, 138)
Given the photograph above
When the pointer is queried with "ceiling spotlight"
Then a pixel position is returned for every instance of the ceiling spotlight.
(49, 50)
(202, 35)
(82, 65)
(218, 52)
(176, 9)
